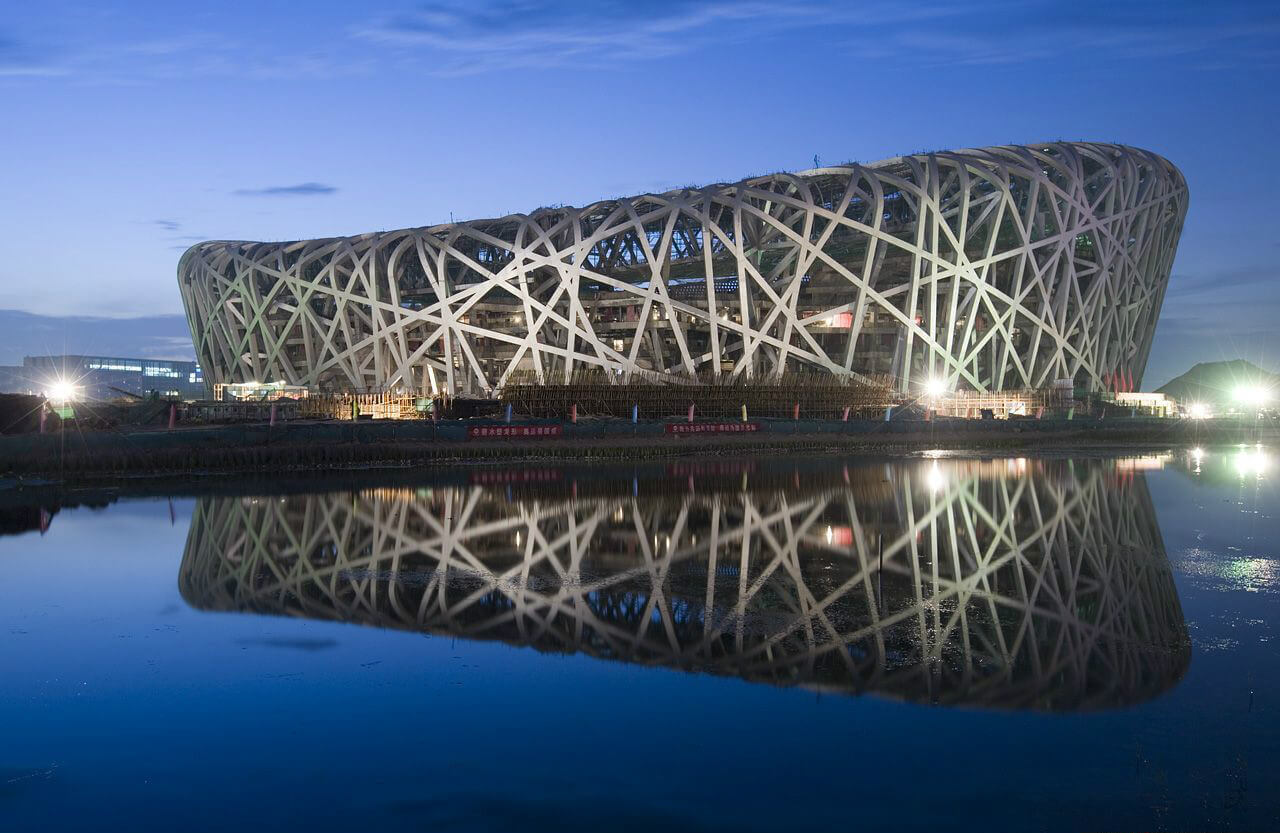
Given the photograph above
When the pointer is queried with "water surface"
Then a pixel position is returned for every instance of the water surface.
(1031, 643)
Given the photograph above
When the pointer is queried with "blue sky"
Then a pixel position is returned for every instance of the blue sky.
(133, 130)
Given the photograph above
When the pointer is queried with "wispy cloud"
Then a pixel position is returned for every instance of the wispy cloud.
(122, 58)
(304, 189)
(1216, 282)
(176, 348)
(477, 37)
(168, 225)
(1111, 34)
(469, 37)
(19, 59)
(33, 70)
(451, 37)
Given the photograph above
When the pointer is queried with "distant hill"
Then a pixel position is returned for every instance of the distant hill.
(1214, 382)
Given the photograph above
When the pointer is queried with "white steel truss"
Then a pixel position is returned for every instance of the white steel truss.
(1002, 267)
(1000, 584)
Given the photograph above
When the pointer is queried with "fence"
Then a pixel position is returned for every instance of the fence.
(238, 411)
(818, 396)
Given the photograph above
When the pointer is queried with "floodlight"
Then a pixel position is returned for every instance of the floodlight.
(935, 387)
(1199, 410)
(61, 391)
(1251, 394)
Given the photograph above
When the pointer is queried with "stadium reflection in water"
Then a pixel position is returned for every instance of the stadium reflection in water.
(1018, 584)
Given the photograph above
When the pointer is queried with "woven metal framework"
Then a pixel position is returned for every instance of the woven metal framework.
(988, 269)
(999, 584)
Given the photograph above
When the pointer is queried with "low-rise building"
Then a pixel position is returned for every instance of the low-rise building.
(103, 377)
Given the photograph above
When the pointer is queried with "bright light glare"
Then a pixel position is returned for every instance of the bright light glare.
(1252, 394)
(935, 479)
(61, 391)
(935, 387)
(1252, 462)
(1199, 410)
(1197, 454)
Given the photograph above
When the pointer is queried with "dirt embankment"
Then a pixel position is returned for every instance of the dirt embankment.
(326, 446)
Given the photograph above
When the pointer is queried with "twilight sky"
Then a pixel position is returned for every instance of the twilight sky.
(133, 130)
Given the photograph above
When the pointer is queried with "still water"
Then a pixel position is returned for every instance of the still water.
(775, 644)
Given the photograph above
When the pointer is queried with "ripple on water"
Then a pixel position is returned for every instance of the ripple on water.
(1229, 572)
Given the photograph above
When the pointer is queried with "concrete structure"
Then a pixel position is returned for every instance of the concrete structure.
(986, 270)
(104, 377)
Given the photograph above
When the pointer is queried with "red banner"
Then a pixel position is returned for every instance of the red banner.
(712, 427)
(489, 432)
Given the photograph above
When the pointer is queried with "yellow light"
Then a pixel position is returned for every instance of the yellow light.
(935, 387)
(61, 392)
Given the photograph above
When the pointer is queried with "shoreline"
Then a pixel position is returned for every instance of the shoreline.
(777, 466)
(299, 449)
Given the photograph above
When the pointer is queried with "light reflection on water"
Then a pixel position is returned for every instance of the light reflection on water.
(986, 583)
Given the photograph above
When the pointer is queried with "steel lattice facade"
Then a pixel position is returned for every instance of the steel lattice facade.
(988, 269)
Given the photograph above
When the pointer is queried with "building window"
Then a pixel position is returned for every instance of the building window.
(133, 368)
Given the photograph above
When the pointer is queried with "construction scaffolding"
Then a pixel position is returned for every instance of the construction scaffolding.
(349, 406)
(1004, 404)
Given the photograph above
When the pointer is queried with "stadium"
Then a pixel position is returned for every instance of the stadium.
(984, 270)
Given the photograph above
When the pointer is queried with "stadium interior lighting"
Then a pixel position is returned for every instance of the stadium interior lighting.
(61, 391)
(1199, 410)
